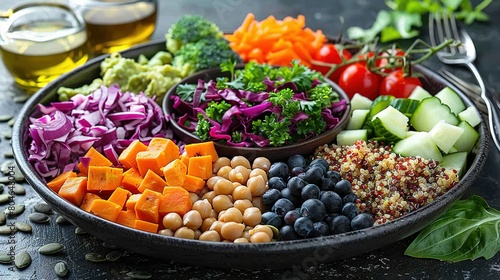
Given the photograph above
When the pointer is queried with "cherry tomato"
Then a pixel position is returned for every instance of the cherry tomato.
(330, 54)
(356, 78)
(398, 85)
(391, 57)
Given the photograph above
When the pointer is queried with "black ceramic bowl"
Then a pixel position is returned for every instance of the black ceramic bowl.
(282, 153)
(276, 255)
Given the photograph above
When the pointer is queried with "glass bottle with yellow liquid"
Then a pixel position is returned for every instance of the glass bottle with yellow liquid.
(116, 25)
(40, 41)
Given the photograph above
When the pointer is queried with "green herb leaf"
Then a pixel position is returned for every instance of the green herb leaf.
(470, 229)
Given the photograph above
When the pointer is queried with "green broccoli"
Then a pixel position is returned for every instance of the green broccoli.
(190, 29)
(204, 54)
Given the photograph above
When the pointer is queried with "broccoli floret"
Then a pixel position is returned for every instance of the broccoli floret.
(204, 54)
(190, 29)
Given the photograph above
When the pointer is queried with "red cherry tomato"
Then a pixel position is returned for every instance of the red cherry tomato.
(329, 53)
(398, 85)
(391, 57)
(356, 78)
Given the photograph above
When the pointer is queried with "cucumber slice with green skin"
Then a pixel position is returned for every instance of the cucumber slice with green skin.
(390, 124)
(452, 99)
(445, 135)
(405, 105)
(418, 144)
(468, 139)
(358, 118)
(348, 137)
(470, 115)
(419, 93)
(359, 101)
(429, 112)
(457, 161)
(379, 104)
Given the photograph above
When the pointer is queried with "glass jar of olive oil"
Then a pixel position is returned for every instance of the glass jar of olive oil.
(39, 41)
(115, 25)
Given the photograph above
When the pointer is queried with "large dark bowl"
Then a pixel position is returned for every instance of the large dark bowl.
(277, 255)
(305, 147)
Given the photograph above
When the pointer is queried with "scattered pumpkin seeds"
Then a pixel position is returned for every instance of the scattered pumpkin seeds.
(7, 134)
(7, 229)
(2, 186)
(109, 245)
(16, 209)
(18, 189)
(39, 218)
(21, 98)
(61, 268)
(139, 275)
(79, 231)
(43, 208)
(114, 255)
(4, 198)
(24, 227)
(11, 122)
(8, 154)
(95, 257)
(61, 220)
(22, 260)
(2, 218)
(5, 258)
(4, 118)
(51, 248)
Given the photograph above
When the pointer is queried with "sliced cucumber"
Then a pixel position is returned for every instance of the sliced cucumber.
(429, 112)
(452, 99)
(468, 139)
(358, 118)
(419, 93)
(457, 161)
(418, 144)
(379, 104)
(390, 124)
(445, 135)
(470, 115)
(359, 101)
(348, 137)
(405, 105)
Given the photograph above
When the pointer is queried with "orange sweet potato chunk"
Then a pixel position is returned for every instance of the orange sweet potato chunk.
(127, 218)
(175, 173)
(104, 179)
(146, 226)
(147, 206)
(87, 201)
(151, 160)
(131, 179)
(105, 209)
(119, 196)
(56, 183)
(152, 181)
(96, 159)
(73, 190)
(193, 184)
(174, 199)
(127, 157)
(167, 146)
(200, 166)
(201, 149)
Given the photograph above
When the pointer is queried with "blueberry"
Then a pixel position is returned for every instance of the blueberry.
(361, 221)
(343, 187)
(340, 224)
(278, 169)
(282, 206)
(291, 217)
(314, 209)
(276, 183)
(314, 175)
(310, 191)
(271, 218)
(332, 201)
(320, 229)
(288, 233)
(303, 226)
(296, 161)
(296, 184)
(297, 170)
(350, 210)
(351, 197)
(271, 196)
(335, 175)
(321, 162)
(286, 193)
(329, 218)
(327, 184)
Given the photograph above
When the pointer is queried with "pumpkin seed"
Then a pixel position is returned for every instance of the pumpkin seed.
(61, 220)
(95, 257)
(109, 245)
(114, 255)
(24, 227)
(19, 189)
(5, 258)
(4, 118)
(39, 218)
(2, 218)
(51, 248)
(4, 198)
(2, 186)
(61, 269)
(7, 134)
(79, 231)
(139, 275)
(21, 98)
(7, 230)
(8, 154)
(43, 208)
(16, 209)
(11, 122)
(22, 260)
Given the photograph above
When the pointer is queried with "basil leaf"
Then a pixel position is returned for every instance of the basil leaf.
(470, 229)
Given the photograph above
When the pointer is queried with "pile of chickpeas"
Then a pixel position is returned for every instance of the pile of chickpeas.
(229, 208)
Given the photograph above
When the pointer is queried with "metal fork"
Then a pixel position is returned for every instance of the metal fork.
(443, 26)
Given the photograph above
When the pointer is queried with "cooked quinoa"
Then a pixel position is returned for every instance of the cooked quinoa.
(388, 185)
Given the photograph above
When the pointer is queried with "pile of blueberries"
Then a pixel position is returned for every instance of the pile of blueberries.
(306, 199)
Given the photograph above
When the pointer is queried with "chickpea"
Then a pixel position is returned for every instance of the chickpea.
(262, 228)
(172, 221)
(224, 171)
(252, 216)
(197, 234)
(204, 191)
(224, 186)
(184, 232)
(203, 207)
(232, 215)
(166, 232)
(240, 160)
(210, 235)
(213, 214)
(194, 197)
(241, 240)
(232, 230)
(220, 162)
(257, 171)
(246, 234)
(207, 223)
(257, 202)
(260, 237)
(242, 192)
(221, 202)
(243, 204)
(239, 174)
(257, 185)
(262, 163)
(192, 219)
(209, 196)
(217, 226)
(211, 182)
(220, 216)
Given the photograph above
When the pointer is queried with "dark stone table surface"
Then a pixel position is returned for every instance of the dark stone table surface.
(386, 263)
